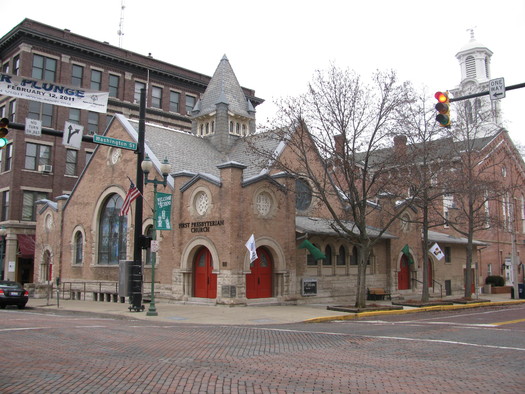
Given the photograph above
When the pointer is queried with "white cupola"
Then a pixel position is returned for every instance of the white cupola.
(474, 59)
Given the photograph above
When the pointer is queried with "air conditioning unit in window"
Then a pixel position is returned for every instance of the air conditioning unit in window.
(46, 168)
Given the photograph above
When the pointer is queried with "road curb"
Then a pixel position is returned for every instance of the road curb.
(353, 316)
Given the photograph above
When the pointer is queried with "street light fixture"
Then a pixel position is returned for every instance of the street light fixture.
(165, 169)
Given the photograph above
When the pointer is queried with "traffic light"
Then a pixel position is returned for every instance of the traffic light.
(4, 124)
(443, 108)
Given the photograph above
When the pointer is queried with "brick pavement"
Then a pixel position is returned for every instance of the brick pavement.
(74, 354)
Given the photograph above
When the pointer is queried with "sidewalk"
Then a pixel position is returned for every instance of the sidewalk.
(234, 315)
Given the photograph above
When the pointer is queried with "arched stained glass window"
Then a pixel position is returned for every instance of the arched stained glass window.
(328, 254)
(303, 197)
(79, 247)
(112, 232)
(341, 257)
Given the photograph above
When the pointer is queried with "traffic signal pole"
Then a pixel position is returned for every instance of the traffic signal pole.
(136, 269)
(48, 131)
(512, 87)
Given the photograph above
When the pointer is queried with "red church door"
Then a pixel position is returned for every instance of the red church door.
(259, 281)
(403, 276)
(204, 281)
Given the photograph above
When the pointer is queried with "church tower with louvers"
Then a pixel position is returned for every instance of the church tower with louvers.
(475, 66)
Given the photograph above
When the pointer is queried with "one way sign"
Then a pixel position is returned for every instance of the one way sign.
(497, 88)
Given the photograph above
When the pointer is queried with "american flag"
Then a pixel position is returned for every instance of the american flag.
(132, 195)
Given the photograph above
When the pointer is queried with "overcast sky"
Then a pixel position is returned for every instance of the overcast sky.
(274, 46)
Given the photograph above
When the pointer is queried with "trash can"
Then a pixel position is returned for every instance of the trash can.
(521, 290)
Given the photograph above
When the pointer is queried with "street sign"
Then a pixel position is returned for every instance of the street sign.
(100, 139)
(72, 135)
(497, 88)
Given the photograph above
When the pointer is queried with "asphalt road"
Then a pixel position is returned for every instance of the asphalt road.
(480, 351)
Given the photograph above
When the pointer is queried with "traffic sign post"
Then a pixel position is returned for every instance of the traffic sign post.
(99, 139)
(497, 88)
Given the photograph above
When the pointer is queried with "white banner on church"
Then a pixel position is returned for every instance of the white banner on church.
(53, 93)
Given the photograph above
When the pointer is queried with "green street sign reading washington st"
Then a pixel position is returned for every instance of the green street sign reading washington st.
(99, 139)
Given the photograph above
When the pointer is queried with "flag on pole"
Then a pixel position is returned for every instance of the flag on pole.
(250, 245)
(406, 252)
(318, 255)
(436, 251)
(132, 195)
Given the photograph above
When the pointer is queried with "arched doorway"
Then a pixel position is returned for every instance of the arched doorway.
(204, 280)
(403, 276)
(259, 280)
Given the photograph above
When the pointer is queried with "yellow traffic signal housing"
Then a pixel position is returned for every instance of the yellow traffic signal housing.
(443, 108)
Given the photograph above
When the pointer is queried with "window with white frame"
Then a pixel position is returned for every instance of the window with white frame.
(113, 85)
(138, 87)
(71, 161)
(487, 210)
(96, 80)
(156, 97)
(37, 155)
(448, 204)
(77, 75)
(190, 103)
(522, 214)
(93, 122)
(174, 101)
(44, 68)
(42, 112)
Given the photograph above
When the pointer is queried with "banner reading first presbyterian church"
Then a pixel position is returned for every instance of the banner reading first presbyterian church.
(53, 93)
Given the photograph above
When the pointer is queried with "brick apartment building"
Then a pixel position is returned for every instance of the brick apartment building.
(35, 168)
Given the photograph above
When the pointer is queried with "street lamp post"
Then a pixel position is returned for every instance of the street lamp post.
(3, 233)
(165, 168)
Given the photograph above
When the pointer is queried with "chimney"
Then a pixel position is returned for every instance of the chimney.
(400, 145)
(339, 141)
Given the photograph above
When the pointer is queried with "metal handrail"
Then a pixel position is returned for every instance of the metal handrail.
(84, 287)
(433, 281)
(440, 287)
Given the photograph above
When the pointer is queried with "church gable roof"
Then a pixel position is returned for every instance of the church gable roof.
(188, 153)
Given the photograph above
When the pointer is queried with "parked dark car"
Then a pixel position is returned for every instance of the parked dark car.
(12, 293)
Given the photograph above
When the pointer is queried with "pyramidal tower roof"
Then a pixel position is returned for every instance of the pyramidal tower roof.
(224, 88)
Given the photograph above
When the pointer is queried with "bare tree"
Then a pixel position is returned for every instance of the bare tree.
(428, 150)
(340, 129)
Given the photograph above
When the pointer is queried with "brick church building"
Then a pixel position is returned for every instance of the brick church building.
(221, 194)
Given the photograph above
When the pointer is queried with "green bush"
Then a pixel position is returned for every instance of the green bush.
(495, 280)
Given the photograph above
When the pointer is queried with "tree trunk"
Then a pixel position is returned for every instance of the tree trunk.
(362, 260)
